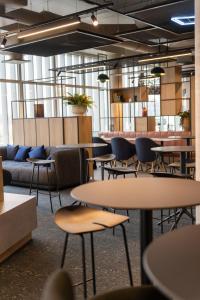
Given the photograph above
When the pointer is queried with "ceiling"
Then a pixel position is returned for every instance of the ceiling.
(128, 27)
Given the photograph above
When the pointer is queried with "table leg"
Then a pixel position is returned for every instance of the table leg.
(183, 162)
(102, 170)
(82, 165)
(146, 234)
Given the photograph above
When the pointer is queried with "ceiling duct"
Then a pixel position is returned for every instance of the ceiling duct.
(15, 58)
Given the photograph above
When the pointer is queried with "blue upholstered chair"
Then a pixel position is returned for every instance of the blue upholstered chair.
(144, 153)
(101, 150)
(122, 149)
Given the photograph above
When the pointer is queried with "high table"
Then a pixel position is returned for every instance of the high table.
(145, 194)
(188, 138)
(172, 262)
(81, 148)
(183, 150)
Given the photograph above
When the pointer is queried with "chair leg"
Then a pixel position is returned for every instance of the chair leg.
(93, 263)
(161, 217)
(50, 199)
(138, 166)
(127, 254)
(84, 266)
(64, 251)
(127, 213)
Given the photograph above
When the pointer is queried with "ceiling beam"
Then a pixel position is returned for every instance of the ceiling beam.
(15, 2)
(150, 7)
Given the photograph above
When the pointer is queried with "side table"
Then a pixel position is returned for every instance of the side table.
(37, 163)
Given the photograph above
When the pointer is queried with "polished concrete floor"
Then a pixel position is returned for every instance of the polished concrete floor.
(23, 275)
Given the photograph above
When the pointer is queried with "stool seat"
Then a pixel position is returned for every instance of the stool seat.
(104, 158)
(178, 165)
(120, 170)
(37, 161)
(81, 219)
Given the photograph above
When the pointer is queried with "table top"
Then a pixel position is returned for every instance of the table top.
(172, 263)
(182, 137)
(11, 201)
(174, 149)
(82, 145)
(140, 193)
(37, 161)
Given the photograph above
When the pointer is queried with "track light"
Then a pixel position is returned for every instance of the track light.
(49, 29)
(94, 20)
(3, 42)
(172, 56)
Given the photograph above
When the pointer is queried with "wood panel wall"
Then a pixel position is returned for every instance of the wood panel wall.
(52, 131)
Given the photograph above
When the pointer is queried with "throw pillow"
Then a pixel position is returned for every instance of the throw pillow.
(22, 153)
(11, 151)
(37, 152)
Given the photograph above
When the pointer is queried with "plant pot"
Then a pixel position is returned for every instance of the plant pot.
(78, 110)
(186, 124)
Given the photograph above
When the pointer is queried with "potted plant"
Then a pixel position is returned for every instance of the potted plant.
(79, 103)
(185, 119)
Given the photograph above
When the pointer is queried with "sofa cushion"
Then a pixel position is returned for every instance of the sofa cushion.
(22, 153)
(37, 152)
(11, 151)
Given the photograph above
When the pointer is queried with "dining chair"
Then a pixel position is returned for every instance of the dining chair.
(59, 287)
(123, 150)
(144, 153)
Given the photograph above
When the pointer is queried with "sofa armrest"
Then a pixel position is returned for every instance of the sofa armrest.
(67, 164)
(3, 152)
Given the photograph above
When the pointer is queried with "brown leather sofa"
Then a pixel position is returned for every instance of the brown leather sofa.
(67, 167)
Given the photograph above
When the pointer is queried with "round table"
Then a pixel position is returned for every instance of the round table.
(188, 138)
(81, 148)
(145, 194)
(172, 262)
(180, 149)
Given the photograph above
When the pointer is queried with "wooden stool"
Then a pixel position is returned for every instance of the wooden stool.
(37, 163)
(81, 220)
(103, 160)
(115, 171)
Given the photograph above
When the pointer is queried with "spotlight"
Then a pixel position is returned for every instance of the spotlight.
(3, 42)
(94, 20)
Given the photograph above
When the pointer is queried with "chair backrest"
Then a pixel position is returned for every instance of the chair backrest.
(143, 149)
(101, 150)
(122, 148)
(58, 287)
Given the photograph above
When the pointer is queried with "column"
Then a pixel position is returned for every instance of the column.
(197, 94)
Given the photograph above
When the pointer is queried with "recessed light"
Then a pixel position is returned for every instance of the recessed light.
(184, 20)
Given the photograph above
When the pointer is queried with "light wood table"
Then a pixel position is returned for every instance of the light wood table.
(183, 150)
(145, 194)
(81, 148)
(172, 262)
(18, 219)
(188, 138)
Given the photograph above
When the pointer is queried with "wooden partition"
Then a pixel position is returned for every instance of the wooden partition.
(52, 131)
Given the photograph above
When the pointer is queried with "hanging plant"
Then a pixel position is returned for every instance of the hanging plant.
(103, 78)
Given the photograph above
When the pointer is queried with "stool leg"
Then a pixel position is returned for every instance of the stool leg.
(38, 176)
(49, 190)
(127, 213)
(102, 170)
(57, 185)
(32, 177)
(64, 251)
(93, 263)
(127, 254)
(84, 266)
(161, 217)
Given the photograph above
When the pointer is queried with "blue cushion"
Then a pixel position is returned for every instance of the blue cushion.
(22, 153)
(37, 152)
(11, 151)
